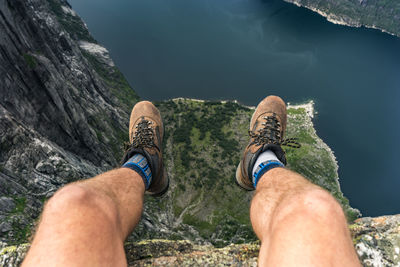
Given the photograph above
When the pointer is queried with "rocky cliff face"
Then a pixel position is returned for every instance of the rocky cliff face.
(62, 117)
(376, 14)
(64, 111)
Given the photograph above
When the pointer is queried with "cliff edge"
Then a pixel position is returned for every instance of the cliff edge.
(376, 240)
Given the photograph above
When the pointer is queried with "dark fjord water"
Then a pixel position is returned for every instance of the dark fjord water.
(247, 49)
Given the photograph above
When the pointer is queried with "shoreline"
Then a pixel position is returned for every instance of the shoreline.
(307, 105)
(335, 19)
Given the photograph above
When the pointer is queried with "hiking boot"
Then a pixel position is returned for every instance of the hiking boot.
(146, 133)
(267, 129)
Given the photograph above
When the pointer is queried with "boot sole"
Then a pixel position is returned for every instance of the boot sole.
(163, 191)
(239, 178)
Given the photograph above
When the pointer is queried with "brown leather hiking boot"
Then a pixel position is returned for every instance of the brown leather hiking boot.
(267, 128)
(146, 133)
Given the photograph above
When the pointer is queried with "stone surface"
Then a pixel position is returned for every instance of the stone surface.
(6, 204)
(12, 256)
(377, 241)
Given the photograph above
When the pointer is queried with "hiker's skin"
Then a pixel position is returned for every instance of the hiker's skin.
(85, 223)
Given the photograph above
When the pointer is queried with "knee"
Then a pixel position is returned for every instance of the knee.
(319, 205)
(70, 196)
(75, 198)
(315, 205)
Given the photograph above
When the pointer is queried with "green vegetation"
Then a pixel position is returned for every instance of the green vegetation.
(20, 204)
(21, 230)
(30, 60)
(21, 233)
(199, 127)
(72, 24)
(323, 170)
(105, 127)
(205, 228)
(202, 147)
(115, 80)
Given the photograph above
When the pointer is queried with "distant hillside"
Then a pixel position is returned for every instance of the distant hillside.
(378, 14)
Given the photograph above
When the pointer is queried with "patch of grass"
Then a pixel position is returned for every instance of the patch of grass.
(20, 204)
(177, 209)
(296, 111)
(30, 60)
(21, 233)
(205, 228)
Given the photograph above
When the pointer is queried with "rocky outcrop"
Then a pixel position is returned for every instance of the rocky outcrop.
(376, 14)
(377, 241)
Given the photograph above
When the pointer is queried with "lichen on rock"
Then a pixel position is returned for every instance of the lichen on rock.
(377, 240)
(11, 256)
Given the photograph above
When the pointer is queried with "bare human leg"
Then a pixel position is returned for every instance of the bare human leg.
(86, 223)
(299, 224)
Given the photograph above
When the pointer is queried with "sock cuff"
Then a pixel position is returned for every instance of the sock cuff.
(139, 164)
(263, 168)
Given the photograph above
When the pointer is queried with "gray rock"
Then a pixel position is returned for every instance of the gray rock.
(5, 227)
(60, 117)
(6, 204)
(377, 240)
(12, 256)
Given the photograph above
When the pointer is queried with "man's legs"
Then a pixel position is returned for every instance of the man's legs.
(86, 223)
(299, 224)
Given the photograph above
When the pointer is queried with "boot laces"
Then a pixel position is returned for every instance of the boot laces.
(143, 137)
(271, 133)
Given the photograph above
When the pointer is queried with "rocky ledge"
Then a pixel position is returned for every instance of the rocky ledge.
(377, 241)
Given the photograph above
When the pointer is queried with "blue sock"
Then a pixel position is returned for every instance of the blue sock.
(266, 161)
(139, 164)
